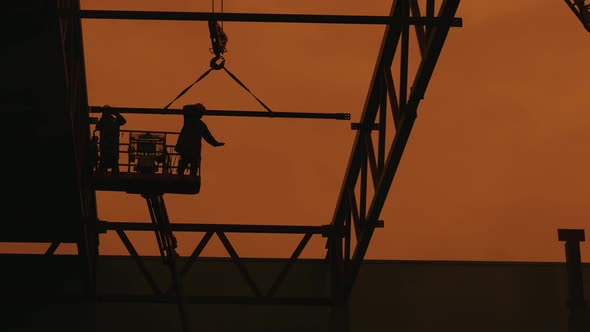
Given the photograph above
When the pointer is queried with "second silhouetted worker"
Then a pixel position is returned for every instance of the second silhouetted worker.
(188, 144)
(109, 126)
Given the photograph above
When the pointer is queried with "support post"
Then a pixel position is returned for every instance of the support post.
(579, 317)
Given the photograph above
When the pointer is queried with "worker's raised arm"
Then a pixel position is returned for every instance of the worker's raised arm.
(208, 137)
(120, 119)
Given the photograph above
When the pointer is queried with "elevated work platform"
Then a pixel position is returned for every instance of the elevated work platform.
(147, 164)
(137, 183)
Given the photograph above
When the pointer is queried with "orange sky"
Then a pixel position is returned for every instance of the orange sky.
(497, 160)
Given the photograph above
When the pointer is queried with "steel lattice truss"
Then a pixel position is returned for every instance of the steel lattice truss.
(581, 8)
(392, 102)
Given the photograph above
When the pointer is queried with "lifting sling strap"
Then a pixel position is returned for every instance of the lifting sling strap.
(218, 42)
(230, 75)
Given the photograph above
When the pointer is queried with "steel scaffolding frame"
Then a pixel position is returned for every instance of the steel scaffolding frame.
(392, 102)
(370, 165)
(72, 48)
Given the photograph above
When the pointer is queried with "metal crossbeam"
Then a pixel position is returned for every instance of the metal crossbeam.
(225, 228)
(113, 297)
(258, 114)
(252, 17)
(226, 299)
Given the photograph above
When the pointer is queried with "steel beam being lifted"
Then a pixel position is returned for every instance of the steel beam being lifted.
(258, 114)
(252, 17)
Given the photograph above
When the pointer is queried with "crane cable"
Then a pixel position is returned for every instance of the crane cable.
(213, 9)
(218, 62)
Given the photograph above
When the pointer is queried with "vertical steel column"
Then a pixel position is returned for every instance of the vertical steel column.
(363, 186)
(382, 125)
(405, 52)
(72, 52)
(579, 314)
(572, 238)
(338, 266)
(336, 263)
(347, 235)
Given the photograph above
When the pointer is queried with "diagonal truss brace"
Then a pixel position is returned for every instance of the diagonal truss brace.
(582, 11)
(365, 160)
(269, 296)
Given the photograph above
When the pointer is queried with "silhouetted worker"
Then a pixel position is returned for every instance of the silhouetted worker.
(109, 126)
(188, 144)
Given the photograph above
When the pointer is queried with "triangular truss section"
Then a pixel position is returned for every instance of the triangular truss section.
(391, 101)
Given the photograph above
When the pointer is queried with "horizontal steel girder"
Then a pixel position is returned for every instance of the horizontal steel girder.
(307, 301)
(251, 17)
(259, 114)
(226, 228)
